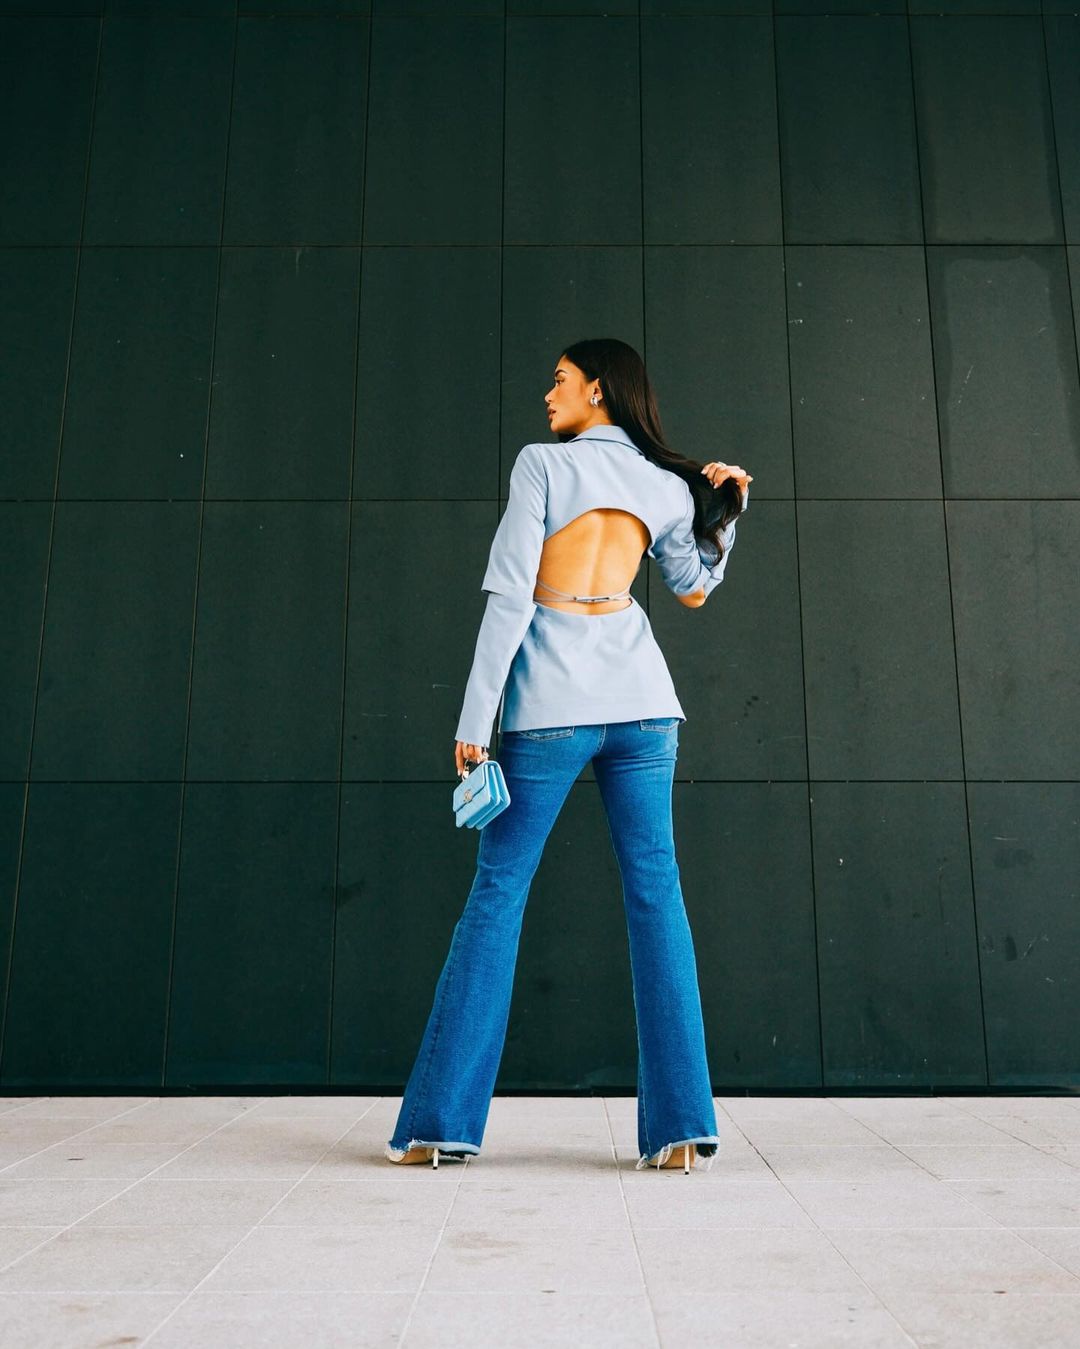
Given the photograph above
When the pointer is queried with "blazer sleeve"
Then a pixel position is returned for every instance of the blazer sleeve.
(686, 565)
(509, 581)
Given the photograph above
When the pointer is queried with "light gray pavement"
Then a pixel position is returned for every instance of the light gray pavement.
(196, 1222)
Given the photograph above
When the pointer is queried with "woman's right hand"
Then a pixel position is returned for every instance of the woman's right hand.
(717, 473)
(463, 751)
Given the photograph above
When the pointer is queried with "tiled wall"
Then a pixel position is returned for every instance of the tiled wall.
(281, 294)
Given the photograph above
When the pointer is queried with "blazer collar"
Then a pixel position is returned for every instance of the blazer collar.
(605, 432)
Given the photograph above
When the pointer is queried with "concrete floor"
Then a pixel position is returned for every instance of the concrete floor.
(275, 1221)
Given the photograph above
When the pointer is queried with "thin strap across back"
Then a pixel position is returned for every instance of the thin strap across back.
(585, 599)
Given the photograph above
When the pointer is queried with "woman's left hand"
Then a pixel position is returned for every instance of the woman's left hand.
(717, 473)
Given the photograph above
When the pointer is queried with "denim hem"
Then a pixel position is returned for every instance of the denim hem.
(395, 1154)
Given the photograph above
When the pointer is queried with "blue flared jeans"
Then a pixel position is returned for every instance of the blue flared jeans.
(449, 1090)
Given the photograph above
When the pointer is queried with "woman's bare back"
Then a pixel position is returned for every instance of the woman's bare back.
(596, 553)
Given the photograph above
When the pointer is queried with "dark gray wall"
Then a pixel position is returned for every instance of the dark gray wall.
(281, 295)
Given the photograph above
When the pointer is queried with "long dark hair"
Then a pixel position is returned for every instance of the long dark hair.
(630, 402)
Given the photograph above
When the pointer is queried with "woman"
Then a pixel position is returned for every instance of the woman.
(581, 680)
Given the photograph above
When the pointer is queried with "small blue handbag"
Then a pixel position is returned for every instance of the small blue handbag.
(481, 795)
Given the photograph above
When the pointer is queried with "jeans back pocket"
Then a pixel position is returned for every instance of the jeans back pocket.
(658, 723)
(547, 732)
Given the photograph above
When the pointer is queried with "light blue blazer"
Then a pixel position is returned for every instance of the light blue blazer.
(552, 667)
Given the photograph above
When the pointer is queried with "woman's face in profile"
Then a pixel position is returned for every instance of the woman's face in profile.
(567, 400)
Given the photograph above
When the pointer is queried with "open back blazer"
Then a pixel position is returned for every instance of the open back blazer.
(562, 668)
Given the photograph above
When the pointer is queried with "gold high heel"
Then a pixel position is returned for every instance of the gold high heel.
(689, 1157)
(414, 1155)
(676, 1154)
(423, 1152)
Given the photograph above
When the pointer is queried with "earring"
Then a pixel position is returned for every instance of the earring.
(594, 400)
